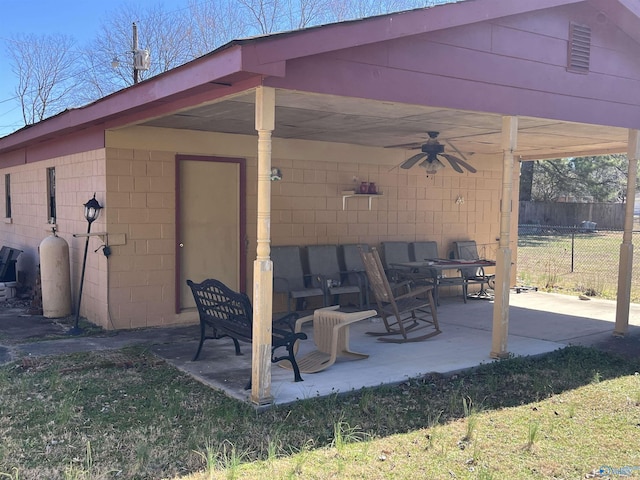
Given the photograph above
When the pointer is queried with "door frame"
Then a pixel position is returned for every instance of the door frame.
(242, 243)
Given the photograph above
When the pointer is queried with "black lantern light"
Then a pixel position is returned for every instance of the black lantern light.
(91, 212)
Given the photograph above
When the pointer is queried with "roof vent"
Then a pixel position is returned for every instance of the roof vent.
(579, 48)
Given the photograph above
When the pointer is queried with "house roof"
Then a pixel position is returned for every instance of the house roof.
(386, 80)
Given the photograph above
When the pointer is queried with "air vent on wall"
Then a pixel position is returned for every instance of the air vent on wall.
(579, 48)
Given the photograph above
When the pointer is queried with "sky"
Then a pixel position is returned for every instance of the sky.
(78, 18)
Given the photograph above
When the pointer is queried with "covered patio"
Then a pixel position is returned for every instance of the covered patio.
(539, 323)
(502, 81)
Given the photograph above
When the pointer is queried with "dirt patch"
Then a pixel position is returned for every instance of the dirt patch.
(626, 347)
(18, 326)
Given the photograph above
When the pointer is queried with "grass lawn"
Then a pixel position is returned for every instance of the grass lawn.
(127, 414)
(546, 261)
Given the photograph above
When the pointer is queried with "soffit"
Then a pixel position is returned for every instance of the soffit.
(371, 123)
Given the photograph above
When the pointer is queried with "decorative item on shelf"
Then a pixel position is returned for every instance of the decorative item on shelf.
(372, 188)
(356, 193)
(364, 187)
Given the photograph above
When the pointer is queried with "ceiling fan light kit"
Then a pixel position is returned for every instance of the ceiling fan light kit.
(432, 165)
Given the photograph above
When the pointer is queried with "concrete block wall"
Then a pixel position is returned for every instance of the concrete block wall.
(78, 177)
(307, 205)
(141, 202)
(134, 179)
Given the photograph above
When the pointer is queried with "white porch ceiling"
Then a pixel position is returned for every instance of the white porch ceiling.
(328, 118)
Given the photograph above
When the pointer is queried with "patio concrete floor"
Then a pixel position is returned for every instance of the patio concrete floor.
(538, 323)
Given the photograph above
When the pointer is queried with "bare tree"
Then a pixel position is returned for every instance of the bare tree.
(213, 23)
(305, 13)
(340, 10)
(109, 57)
(46, 69)
(53, 76)
(263, 14)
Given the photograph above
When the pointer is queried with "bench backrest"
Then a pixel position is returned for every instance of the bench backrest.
(222, 307)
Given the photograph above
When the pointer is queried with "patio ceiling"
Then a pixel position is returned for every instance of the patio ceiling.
(328, 118)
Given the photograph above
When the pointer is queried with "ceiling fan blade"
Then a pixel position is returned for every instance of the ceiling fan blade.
(467, 165)
(460, 162)
(464, 158)
(453, 161)
(406, 145)
(410, 162)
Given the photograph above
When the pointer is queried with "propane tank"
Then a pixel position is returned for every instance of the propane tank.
(55, 277)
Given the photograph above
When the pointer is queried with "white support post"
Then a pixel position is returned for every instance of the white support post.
(625, 265)
(262, 266)
(503, 256)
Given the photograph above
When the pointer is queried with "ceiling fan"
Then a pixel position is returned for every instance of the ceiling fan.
(431, 152)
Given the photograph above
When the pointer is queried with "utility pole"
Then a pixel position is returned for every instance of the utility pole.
(140, 58)
(135, 49)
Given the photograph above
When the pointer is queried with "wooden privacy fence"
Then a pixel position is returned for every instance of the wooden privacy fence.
(608, 216)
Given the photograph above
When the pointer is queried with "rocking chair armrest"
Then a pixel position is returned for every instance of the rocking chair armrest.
(403, 284)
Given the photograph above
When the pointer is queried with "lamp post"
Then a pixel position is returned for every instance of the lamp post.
(91, 212)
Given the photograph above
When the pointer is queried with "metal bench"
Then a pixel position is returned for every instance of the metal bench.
(226, 313)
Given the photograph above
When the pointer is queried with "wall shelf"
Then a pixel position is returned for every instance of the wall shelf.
(350, 193)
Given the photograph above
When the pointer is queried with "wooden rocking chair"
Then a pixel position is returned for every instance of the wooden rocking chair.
(404, 315)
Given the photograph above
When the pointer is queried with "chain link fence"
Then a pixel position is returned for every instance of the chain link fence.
(579, 259)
